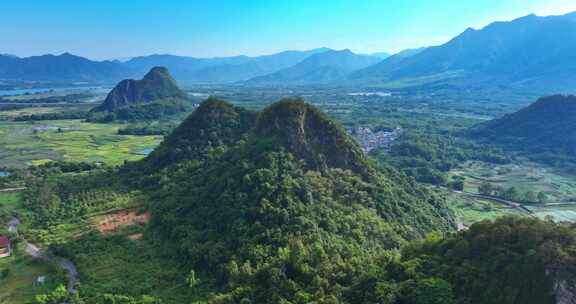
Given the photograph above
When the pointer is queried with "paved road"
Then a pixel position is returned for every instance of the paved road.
(13, 189)
(37, 253)
(491, 198)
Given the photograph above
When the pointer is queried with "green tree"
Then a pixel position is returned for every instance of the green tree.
(530, 197)
(57, 296)
(457, 185)
(432, 291)
(192, 280)
(511, 194)
(542, 197)
(486, 188)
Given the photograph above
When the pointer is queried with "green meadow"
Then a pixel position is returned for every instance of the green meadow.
(25, 143)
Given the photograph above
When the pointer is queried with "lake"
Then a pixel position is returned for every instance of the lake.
(381, 94)
(4, 173)
(44, 90)
(145, 151)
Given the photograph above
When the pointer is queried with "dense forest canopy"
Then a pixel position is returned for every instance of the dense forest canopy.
(282, 206)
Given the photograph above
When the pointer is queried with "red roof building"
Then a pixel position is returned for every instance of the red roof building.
(5, 247)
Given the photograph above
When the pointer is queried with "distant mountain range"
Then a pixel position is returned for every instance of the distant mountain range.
(224, 69)
(65, 67)
(325, 67)
(526, 52)
(333, 65)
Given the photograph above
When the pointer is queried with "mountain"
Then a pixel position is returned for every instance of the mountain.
(213, 125)
(280, 214)
(323, 67)
(224, 69)
(409, 52)
(546, 128)
(526, 52)
(509, 261)
(381, 55)
(65, 67)
(311, 136)
(157, 94)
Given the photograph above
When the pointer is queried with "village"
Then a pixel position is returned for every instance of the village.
(370, 140)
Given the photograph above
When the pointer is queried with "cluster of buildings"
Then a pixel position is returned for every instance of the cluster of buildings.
(370, 140)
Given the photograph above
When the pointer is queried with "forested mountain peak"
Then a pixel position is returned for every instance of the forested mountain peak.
(262, 226)
(156, 84)
(546, 128)
(310, 135)
(214, 125)
(155, 94)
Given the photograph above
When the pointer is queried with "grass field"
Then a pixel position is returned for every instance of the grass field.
(5, 115)
(9, 202)
(23, 143)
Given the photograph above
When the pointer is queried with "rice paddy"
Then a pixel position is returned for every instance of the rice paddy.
(24, 143)
(559, 188)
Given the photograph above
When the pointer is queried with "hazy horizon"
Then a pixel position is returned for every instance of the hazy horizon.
(99, 30)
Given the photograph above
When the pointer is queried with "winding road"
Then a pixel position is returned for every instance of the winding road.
(37, 253)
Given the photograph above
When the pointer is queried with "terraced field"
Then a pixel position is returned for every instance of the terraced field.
(559, 188)
(23, 143)
(470, 210)
(526, 176)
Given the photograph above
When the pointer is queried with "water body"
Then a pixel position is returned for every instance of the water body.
(145, 151)
(381, 94)
(4, 173)
(44, 90)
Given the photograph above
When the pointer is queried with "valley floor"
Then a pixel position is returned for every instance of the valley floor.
(25, 143)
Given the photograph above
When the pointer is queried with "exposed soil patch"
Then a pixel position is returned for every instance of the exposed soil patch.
(114, 221)
(136, 236)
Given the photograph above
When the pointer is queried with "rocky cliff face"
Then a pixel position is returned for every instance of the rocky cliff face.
(565, 291)
(310, 135)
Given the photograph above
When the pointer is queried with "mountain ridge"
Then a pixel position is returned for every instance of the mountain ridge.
(546, 129)
(520, 53)
(241, 219)
(325, 67)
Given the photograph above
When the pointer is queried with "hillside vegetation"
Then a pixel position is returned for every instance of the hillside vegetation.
(155, 96)
(282, 206)
(545, 130)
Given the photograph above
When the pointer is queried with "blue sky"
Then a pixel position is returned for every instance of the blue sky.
(102, 29)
